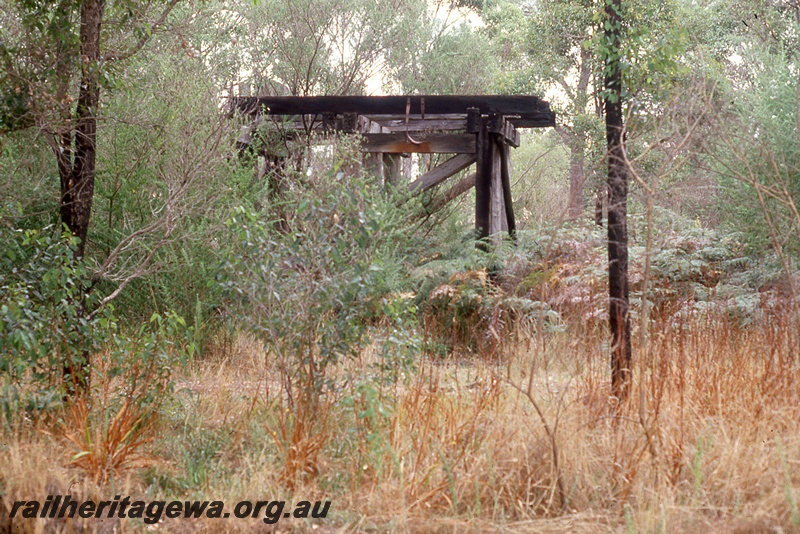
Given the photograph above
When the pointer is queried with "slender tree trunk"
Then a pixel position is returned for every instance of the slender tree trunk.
(76, 157)
(599, 195)
(77, 196)
(619, 320)
(574, 140)
(576, 178)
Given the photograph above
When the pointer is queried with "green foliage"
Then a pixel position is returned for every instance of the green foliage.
(166, 176)
(541, 192)
(14, 113)
(311, 291)
(457, 61)
(757, 155)
(649, 51)
(696, 270)
(698, 255)
(26, 186)
(43, 322)
(49, 319)
(134, 379)
(310, 47)
(464, 313)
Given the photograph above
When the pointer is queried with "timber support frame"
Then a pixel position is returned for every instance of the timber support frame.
(477, 129)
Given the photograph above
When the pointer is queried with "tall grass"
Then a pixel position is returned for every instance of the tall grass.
(709, 442)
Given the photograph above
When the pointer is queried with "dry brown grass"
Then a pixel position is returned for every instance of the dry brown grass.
(710, 441)
(109, 445)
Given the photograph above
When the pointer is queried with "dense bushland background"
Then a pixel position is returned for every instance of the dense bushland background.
(301, 331)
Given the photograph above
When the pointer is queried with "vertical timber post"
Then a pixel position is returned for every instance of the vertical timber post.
(505, 175)
(392, 170)
(373, 163)
(483, 175)
(498, 221)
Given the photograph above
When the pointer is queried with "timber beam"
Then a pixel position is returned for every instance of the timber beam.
(400, 143)
(524, 107)
(442, 172)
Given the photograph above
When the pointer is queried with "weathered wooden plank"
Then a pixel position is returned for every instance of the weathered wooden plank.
(464, 185)
(499, 125)
(526, 107)
(367, 125)
(427, 125)
(534, 121)
(398, 143)
(416, 117)
(442, 172)
(474, 120)
(511, 134)
(347, 123)
(496, 123)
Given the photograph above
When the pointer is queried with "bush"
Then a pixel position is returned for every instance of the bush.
(317, 269)
(51, 323)
(43, 324)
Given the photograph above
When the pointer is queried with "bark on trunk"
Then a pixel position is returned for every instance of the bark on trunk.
(619, 321)
(599, 196)
(76, 156)
(77, 166)
(575, 142)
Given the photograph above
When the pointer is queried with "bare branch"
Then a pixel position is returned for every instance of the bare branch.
(113, 56)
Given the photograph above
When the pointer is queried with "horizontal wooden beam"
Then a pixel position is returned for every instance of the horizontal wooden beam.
(427, 125)
(442, 172)
(399, 143)
(536, 111)
(533, 121)
(416, 116)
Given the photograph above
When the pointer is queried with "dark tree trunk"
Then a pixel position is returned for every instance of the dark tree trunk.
(77, 179)
(599, 196)
(619, 320)
(76, 157)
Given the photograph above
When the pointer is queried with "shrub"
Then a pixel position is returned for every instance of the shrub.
(50, 320)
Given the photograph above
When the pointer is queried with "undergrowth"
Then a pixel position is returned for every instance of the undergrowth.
(425, 391)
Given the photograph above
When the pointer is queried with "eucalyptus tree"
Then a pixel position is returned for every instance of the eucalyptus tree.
(547, 48)
(755, 151)
(60, 54)
(444, 50)
(618, 315)
(307, 47)
(121, 96)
